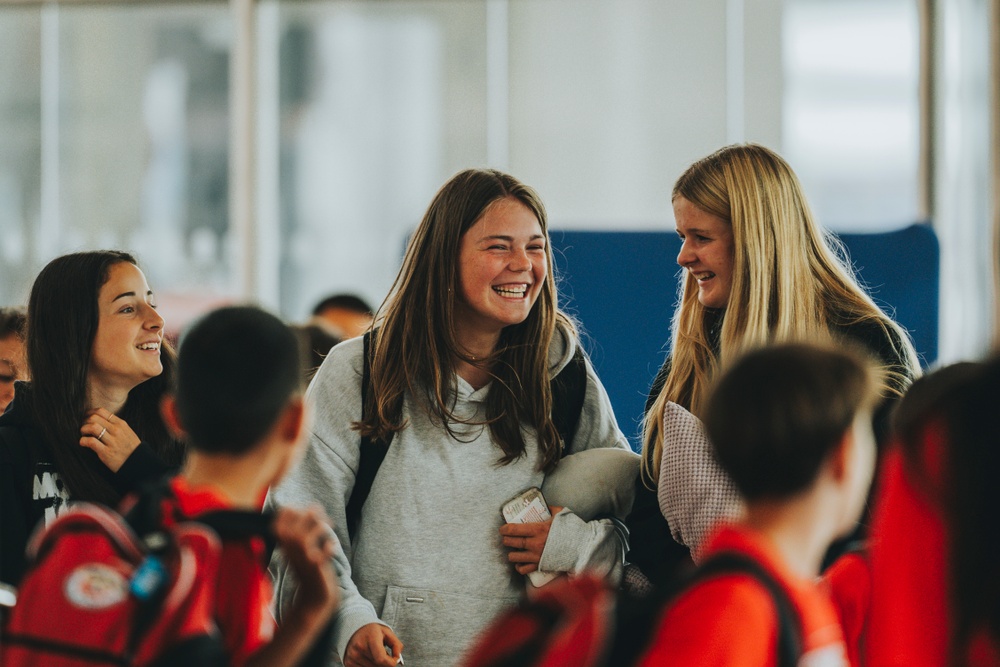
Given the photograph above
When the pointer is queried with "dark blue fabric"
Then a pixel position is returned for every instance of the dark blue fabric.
(623, 287)
(902, 271)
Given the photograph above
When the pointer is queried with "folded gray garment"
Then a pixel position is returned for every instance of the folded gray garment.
(594, 483)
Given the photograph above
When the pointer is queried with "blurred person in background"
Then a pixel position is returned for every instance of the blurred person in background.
(316, 341)
(13, 363)
(345, 315)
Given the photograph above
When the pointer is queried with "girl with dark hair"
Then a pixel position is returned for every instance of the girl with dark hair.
(87, 426)
(461, 359)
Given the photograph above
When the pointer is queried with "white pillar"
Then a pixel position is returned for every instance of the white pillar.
(47, 242)
(268, 173)
(498, 84)
(243, 148)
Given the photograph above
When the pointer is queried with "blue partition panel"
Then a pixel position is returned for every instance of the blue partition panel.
(902, 272)
(623, 287)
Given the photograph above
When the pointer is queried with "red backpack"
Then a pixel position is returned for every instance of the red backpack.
(583, 622)
(103, 590)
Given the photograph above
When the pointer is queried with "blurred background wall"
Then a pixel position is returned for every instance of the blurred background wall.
(119, 125)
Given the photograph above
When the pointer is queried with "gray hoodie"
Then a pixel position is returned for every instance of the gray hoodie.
(428, 560)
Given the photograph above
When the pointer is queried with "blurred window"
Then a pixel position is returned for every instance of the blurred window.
(851, 114)
(117, 120)
(380, 103)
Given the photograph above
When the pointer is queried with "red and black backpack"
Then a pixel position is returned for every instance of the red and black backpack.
(583, 622)
(101, 589)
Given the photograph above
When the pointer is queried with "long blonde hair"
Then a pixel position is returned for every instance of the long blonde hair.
(414, 345)
(789, 283)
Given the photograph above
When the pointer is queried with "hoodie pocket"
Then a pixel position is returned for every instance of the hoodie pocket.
(437, 626)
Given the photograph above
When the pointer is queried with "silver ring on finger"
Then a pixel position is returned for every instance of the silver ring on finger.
(103, 431)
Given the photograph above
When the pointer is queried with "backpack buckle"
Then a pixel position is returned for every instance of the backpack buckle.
(148, 578)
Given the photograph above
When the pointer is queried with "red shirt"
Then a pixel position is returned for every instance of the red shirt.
(908, 622)
(849, 584)
(243, 595)
(731, 621)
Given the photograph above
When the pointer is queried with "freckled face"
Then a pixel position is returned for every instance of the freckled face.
(706, 252)
(502, 267)
(126, 349)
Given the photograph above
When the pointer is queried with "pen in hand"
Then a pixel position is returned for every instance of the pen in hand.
(388, 651)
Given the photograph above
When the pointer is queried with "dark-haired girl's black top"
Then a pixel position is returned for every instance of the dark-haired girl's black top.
(31, 491)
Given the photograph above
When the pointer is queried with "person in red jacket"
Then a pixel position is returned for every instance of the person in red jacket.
(791, 425)
(897, 614)
(239, 403)
(900, 599)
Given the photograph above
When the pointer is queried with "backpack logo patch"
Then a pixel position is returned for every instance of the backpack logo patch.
(96, 586)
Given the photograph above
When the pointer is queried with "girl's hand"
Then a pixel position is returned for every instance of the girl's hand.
(109, 437)
(527, 541)
(367, 647)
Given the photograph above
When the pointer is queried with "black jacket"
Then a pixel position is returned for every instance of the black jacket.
(651, 546)
(31, 491)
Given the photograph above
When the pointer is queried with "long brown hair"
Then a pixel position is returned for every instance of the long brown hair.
(63, 317)
(789, 282)
(414, 345)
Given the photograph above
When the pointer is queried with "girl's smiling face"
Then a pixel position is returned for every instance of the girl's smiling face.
(706, 252)
(502, 266)
(126, 349)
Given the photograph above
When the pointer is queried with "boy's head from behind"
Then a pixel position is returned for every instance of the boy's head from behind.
(237, 372)
(779, 414)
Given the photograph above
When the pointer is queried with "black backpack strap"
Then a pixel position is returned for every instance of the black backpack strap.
(242, 524)
(239, 525)
(789, 624)
(569, 388)
(150, 514)
(143, 510)
(372, 452)
(637, 618)
(146, 516)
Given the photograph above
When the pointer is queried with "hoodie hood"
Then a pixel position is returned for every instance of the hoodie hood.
(562, 349)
